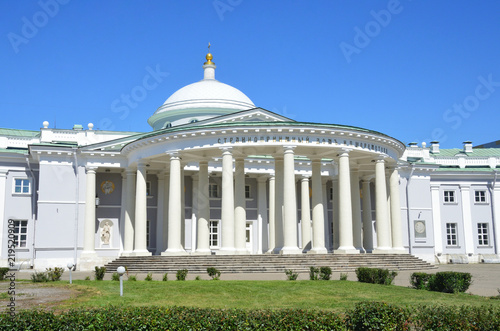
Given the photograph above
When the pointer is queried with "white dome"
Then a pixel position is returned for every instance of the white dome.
(201, 100)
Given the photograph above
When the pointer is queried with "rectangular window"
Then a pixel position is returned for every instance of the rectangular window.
(330, 193)
(21, 186)
(213, 190)
(480, 196)
(148, 189)
(147, 233)
(449, 196)
(451, 234)
(20, 233)
(482, 234)
(247, 192)
(214, 234)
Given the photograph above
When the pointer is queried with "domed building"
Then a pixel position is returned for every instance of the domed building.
(218, 175)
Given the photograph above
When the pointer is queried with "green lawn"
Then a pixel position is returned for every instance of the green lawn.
(325, 295)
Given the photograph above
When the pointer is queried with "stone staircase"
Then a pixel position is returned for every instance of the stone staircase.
(266, 263)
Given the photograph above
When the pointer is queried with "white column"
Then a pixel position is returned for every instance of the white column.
(396, 230)
(356, 211)
(436, 220)
(3, 181)
(128, 236)
(174, 246)
(367, 217)
(240, 215)
(272, 214)
(289, 204)
(305, 212)
(183, 209)
(382, 220)
(121, 220)
(469, 232)
(318, 215)
(159, 213)
(262, 213)
(227, 207)
(166, 199)
(335, 214)
(388, 189)
(90, 220)
(194, 212)
(141, 215)
(278, 204)
(203, 246)
(496, 216)
(346, 245)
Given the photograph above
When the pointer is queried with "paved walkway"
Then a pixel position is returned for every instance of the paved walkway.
(485, 277)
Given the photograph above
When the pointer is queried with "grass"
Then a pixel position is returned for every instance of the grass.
(335, 295)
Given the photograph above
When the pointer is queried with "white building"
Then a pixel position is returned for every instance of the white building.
(218, 175)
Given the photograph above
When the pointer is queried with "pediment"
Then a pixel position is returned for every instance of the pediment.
(251, 115)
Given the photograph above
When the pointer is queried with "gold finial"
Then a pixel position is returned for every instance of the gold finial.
(209, 56)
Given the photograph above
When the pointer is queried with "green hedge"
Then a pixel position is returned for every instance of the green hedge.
(446, 281)
(375, 276)
(365, 316)
(173, 318)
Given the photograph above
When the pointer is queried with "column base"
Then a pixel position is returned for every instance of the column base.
(225, 251)
(382, 250)
(360, 249)
(126, 253)
(399, 250)
(202, 252)
(346, 250)
(318, 250)
(242, 251)
(141, 253)
(290, 250)
(174, 252)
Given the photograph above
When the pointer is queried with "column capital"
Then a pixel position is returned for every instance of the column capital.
(226, 150)
(305, 178)
(464, 187)
(174, 154)
(367, 178)
(288, 148)
(263, 178)
(90, 169)
(381, 158)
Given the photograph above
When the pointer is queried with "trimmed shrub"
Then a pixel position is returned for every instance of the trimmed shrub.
(325, 273)
(165, 277)
(39, 277)
(115, 276)
(99, 273)
(343, 276)
(214, 273)
(376, 275)
(181, 274)
(420, 280)
(132, 278)
(87, 278)
(54, 274)
(457, 318)
(291, 275)
(450, 282)
(313, 273)
(377, 316)
(3, 272)
(149, 277)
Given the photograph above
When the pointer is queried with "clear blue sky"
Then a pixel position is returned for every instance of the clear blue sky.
(415, 70)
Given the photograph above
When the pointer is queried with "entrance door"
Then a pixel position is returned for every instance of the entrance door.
(248, 235)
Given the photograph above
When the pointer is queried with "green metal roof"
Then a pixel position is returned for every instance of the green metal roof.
(14, 150)
(18, 133)
(476, 152)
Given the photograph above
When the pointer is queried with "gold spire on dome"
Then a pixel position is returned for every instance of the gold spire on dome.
(209, 56)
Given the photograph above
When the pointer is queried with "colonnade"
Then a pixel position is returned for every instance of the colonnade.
(352, 228)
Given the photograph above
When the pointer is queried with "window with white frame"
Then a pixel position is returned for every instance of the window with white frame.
(214, 234)
(480, 196)
(22, 186)
(482, 234)
(148, 189)
(248, 194)
(213, 190)
(449, 197)
(20, 233)
(451, 234)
